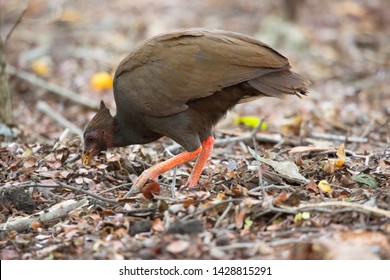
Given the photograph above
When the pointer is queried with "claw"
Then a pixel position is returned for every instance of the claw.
(141, 181)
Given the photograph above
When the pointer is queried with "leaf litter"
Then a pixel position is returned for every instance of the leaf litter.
(265, 205)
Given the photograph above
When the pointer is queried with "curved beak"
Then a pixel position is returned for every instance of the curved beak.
(87, 156)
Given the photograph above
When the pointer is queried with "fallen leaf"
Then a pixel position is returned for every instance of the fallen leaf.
(240, 218)
(150, 190)
(282, 197)
(286, 169)
(157, 225)
(328, 167)
(178, 246)
(294, 199)
(340, 152)
(301, 216)
(365, 179)
(291, 125)
(312, 186)
(79, 180)
(64, 174)
(325, 187)
(248, 223)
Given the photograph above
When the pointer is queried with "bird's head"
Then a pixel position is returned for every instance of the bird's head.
(99, 134)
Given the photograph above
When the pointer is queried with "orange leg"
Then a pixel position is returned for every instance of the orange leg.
(207, 148)
(154, 171)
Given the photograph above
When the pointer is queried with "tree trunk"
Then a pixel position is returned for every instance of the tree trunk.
(6, 116)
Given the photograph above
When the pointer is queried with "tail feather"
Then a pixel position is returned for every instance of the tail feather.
(278, 84)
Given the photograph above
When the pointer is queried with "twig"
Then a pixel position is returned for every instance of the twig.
(173, 184)
(253, 134)
(201, 211)
(352, 206)
(17, 22)
(167, 219)
(116, 187)
(342, 138)
(98, 197)
(270, 187)
(45, 108)
(220, 219)
(63, 92)
(169, 199)
(325, 207)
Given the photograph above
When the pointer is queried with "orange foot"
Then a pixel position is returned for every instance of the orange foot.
(153, 172)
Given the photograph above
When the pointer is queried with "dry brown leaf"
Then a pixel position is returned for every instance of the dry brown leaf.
(158, 225)
(312, 186)
(178, 246)
(240, 218)
(282, 197)
(150, 190)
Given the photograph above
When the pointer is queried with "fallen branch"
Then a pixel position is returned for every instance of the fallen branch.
(63, 92)
(54, 213)
(349, 206)
(342, 138)
(61, 185)
(45, 108)
(325, 207)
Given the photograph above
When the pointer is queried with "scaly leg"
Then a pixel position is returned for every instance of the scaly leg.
(207, 148)
(154, 171)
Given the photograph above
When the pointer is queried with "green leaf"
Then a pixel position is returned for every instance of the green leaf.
(365, 179)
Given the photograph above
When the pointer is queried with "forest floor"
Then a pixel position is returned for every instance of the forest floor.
(250, 204)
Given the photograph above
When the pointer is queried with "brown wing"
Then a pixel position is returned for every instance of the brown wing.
(164, 73)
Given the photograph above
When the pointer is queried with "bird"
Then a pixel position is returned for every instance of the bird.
(179, 85)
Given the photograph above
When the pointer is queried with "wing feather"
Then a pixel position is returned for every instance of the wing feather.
(165, 72)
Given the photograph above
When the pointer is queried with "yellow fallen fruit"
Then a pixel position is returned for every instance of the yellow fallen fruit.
(101, 81)
(40, 67)
(251, 121)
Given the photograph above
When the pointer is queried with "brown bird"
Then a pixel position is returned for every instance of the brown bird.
(180, 85)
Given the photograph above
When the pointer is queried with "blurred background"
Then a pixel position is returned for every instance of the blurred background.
(341, 46)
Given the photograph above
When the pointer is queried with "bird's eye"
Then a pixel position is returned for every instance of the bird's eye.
(90, 139)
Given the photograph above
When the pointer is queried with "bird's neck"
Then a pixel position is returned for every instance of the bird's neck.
(130, 131)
